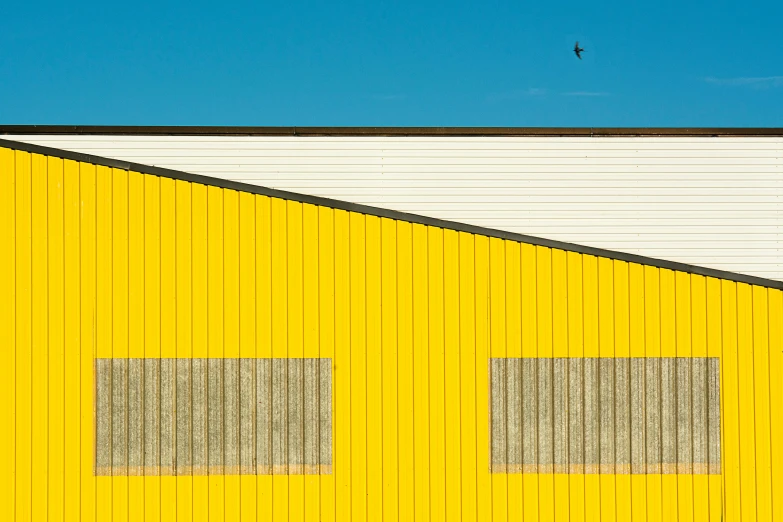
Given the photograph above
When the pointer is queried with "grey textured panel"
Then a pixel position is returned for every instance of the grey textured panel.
(280, 416)
(184, 434)
(606, 404)
(622, 411)
(199, 415)
(231, 416)
(213, 416)
(546, 419)
(638, 417)
(264, 416)
(247, 416)
(119, 409)
(699, 415)
(513, 429)
(103, 388)
(135, 416)
(560, 405)
(684, 433)
(713, 413)
(668, 415)
(498, 416)
(295, 417)
(605, 415)
(151, 416)
(653, 409)
(325, 432)
(592, 426)
(312, 408)
(168, 427)
(529, 416)
(576, 441)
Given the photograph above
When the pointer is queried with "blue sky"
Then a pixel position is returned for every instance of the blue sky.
(667, 63)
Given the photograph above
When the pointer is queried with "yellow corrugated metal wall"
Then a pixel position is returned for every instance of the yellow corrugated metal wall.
(104, 263)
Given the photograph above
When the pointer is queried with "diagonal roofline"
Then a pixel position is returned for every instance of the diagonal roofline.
(135, 130)
(391, 214)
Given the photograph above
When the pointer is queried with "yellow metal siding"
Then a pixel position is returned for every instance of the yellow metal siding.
(8, 305)
(106, 263)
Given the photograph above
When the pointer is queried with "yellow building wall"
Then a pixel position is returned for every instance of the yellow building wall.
(97, 262)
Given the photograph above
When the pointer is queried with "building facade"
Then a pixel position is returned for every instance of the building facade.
(184, 347)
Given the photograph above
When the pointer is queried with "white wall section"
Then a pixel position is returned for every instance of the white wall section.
(712, 202)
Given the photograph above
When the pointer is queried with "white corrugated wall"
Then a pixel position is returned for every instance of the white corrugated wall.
(713, 202)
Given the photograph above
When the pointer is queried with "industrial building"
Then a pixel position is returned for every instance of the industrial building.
(391, 324)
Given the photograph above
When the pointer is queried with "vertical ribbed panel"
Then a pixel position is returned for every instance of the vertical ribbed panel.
(236, 443)
(590, 395)
(299, 429)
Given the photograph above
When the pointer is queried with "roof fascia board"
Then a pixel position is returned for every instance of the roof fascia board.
(113, 130)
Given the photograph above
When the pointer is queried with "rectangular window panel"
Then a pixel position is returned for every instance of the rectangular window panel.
(590, 415)
(213, 416)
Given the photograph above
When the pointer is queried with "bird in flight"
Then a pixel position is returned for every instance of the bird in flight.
(578, 50)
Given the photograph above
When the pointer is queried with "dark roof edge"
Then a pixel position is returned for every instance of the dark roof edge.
(115, 130)
(385, 213)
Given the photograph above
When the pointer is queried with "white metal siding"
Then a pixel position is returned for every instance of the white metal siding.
(713, 202)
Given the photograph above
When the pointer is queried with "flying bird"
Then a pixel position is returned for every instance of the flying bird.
(578, 50)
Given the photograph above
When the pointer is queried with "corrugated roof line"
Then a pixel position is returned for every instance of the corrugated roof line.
(385, 213)
(393, 131)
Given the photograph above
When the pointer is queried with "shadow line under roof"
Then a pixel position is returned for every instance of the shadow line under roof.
(385, 213)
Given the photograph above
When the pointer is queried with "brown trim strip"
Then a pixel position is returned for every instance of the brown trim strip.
(118, 130)
(390, 214)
